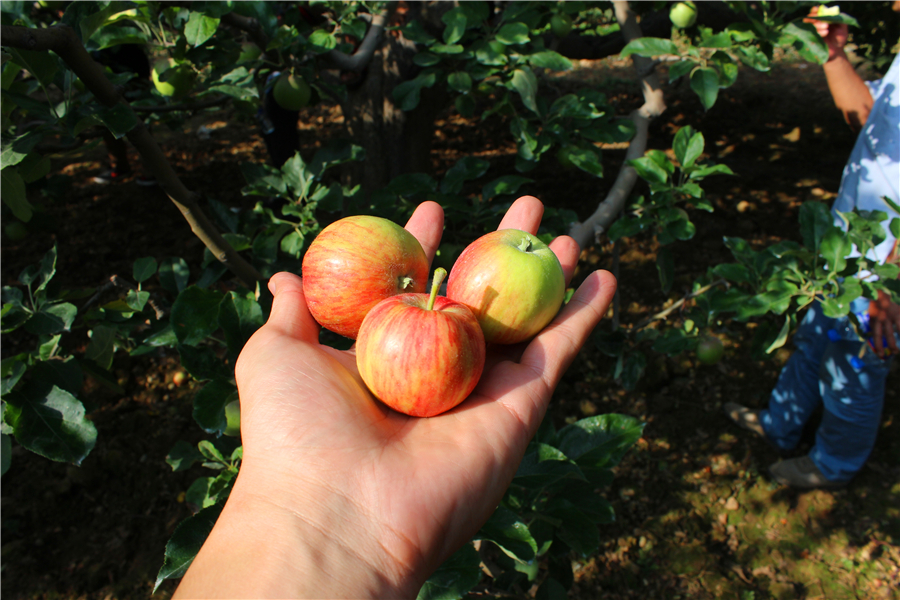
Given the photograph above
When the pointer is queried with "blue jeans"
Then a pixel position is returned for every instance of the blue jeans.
(851, 392)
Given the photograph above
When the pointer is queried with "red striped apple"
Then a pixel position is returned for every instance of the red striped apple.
(355, 263)
(420, 354)
(512, 282)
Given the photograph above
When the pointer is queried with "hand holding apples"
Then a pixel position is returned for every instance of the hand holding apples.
(420, 354)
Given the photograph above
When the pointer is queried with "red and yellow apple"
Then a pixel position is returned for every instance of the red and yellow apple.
(420, 354)
(354, 264)
(512, 281)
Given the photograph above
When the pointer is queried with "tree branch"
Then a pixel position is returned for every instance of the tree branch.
(62, 41)
(592, 229)
(360, 59)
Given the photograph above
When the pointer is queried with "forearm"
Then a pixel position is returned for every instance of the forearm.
(262, 547)
(850, 93)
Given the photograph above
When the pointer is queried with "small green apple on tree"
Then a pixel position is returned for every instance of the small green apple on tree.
(355, 263)
(512, 281)
(421, 354)
(710, 350)
(172, 80)
(291, 91)
(683, 14)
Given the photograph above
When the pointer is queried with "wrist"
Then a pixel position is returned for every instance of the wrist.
(273, 543)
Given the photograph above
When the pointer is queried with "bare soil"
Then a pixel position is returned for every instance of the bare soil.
(696, 514)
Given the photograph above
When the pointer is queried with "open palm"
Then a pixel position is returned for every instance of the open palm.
(401, 493)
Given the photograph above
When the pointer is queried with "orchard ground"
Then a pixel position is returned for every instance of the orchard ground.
(696, 515)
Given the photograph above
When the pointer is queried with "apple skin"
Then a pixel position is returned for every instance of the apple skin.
(420, 362)
(512, 282)
(710, 350)
(683, 14)
(177, 84)
(291, 92)
(355, 263)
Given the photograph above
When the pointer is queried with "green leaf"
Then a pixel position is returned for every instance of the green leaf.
(102, 346)
(455, 21)
(508, 184)
(322, 41)
(688, 146)
(51, 422)
(240, 315)
(144, 269)
(426, 59)
(649, 170)
(719, 40)
(136, 300)
(513, 33)
(455, 577)
(199, 28)
(195, 314)
(64, 374)
(551, 589)
(834, 249)
(753, 57)
(182, 456)
(544, 465)
(13, 369)
(815, 221)
(510, 534)
(649, 46)
(185, 543)
(809, 43)
(119, 119)
(525, 83)
(41, 64)
(209, 405)
(705, 83)
(680, 69)
(600, 441)
(465, 169)
(52, 318)
(202, 363)
(12, 189)
(665, 266)
(548, 59)
(577, 531)
(14, 151)
(459, 81)
(174, 274)
(782, 336)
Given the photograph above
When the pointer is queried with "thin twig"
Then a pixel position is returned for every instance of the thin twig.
(665, 313)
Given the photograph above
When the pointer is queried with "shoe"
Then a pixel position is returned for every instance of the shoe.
(747, 418)
(109, 176)
(801, 473)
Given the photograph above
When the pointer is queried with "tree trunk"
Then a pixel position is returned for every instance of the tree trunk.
(396, 142)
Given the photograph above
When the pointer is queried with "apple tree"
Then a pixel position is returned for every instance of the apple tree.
(392, 68)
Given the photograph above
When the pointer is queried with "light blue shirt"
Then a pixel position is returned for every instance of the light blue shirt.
(873, 169)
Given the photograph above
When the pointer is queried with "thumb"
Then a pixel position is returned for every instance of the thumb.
(290, 315)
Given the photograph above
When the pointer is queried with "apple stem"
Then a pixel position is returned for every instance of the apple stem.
(525, 245)
(439, 275)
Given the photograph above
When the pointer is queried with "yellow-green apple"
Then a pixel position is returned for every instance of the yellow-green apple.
(561, 25)
(291, 92)
(420, 354)
(710, 350)
(512, 282)
(249, 52)
(355, 263)
(172, 80)
(683, 14)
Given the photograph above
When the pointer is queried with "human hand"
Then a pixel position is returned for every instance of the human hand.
(350, 498)
(834, 34)
(884, 322)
